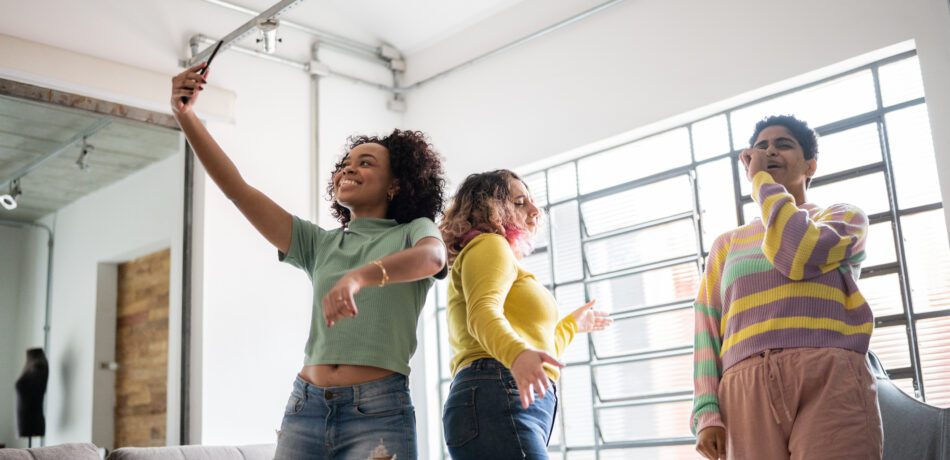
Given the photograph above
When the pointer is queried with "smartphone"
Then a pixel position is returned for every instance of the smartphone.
(203, 70)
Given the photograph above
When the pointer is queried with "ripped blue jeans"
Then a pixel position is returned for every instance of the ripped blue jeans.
(371, 420)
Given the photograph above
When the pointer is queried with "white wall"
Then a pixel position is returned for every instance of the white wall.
(11, 356)
(133, 217)
(22, 313)
(642, 62)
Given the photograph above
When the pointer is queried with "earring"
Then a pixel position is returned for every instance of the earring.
(390, 196)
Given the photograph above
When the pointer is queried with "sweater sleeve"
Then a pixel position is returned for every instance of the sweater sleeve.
(801, 247)
(563, 334)
(707, 364)
(488, 270)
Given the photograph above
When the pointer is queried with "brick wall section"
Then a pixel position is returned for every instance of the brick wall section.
(142, 351)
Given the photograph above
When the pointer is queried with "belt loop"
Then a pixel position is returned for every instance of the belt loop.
(356, 394)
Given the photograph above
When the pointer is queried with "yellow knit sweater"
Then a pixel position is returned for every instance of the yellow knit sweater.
(497, 309)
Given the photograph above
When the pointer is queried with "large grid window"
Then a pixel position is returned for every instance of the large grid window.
(630, 226)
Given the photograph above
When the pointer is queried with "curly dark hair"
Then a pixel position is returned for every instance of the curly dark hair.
(417, 167)
(803, 134)
(482, 205)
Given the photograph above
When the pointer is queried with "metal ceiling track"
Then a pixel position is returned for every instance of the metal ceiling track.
(314, 67)
(62, 148)
(328, 39)
(248, 27)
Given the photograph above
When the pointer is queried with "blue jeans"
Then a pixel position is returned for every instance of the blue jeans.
(483, 417)
(371, 420)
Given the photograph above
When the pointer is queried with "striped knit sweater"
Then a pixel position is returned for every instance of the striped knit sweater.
(785, 281)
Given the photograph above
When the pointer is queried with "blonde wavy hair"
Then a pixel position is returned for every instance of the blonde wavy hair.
(483, 205)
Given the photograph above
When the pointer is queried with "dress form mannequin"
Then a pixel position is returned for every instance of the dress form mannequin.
(31, 388)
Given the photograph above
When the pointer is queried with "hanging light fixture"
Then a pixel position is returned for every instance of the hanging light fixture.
(268, 28)
(8, 200)
(86, 149)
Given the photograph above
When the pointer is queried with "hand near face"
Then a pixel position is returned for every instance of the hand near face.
(590, 320)
(754, 160)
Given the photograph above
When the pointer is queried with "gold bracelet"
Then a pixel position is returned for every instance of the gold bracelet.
(379, 263)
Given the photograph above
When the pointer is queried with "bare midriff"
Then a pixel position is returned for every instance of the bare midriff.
(341, 375)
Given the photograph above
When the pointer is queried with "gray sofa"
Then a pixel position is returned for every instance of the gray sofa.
(255, 452)
(61, 452)
(912, 429)
(90, 452)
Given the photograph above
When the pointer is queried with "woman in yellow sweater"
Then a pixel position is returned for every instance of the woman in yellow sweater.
(503, 325)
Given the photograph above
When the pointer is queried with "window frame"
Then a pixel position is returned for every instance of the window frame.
(907, 318)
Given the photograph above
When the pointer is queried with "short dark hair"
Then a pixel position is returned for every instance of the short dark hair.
(800, 130)
(417, 167)
(805, 136)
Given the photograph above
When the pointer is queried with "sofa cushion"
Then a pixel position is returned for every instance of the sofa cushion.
(254, 452)
(61, 452)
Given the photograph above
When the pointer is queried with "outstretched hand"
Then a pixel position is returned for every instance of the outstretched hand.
(590, 320)
(187, 84)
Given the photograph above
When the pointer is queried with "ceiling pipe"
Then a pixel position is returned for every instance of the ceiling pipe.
(251, 52)
(339, 42)
(305, 66)
(386, 54)
(49, 275)
(521, 41)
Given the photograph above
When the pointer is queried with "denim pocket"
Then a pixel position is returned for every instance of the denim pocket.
(383, 405)
(294, 404)
(459, 420)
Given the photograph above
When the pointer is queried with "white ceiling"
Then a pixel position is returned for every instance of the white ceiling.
(409, 25)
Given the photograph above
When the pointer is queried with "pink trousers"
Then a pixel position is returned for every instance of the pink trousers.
(801, 403)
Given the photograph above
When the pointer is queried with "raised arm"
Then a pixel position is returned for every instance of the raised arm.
(802, 247)
(270, 220)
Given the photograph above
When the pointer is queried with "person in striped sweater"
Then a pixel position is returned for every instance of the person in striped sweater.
(782, 330)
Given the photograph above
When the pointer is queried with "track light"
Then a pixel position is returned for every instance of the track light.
(87, 148)
(8, 201)
(268, 28)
